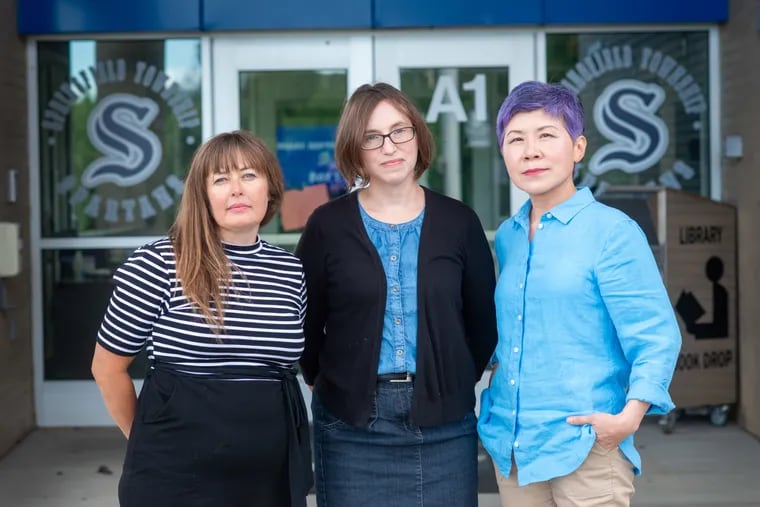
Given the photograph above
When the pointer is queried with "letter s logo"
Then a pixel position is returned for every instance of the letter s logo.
(625, 113)
(118, 128)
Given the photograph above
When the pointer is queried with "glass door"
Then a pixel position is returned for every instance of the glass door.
(116, 123)
(289, 91)
(459, 80)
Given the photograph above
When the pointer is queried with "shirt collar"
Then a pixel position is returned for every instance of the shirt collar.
(564, 212)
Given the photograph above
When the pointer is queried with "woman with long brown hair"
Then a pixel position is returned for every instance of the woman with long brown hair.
(220, 419)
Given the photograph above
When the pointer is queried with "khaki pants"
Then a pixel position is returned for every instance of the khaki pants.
(605, 479)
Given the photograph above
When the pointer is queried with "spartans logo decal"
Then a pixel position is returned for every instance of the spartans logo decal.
(120, 127)
(628, 113)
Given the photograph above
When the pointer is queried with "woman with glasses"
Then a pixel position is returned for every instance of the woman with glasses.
(401, 320)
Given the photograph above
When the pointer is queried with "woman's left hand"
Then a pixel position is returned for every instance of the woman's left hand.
(611, 429)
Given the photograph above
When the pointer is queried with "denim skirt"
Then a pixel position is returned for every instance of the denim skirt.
(391, 462)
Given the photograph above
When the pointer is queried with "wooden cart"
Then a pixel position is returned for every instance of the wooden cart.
(694, 241)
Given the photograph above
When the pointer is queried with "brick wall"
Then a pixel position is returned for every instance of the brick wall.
(740, 77)
(16, 374)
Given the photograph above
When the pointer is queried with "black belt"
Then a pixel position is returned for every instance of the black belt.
(396, 377)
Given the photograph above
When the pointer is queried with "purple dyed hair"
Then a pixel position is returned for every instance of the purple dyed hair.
(555, 99)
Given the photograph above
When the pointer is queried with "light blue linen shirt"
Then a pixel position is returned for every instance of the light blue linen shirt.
(398, 246)
(585, 324)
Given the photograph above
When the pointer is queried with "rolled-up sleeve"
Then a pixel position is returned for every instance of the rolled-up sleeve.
(635, 297)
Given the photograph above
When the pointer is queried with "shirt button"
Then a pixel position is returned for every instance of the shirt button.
(519, 317)
(548, 215)
(514, 412)
(522, 285)
(512, 382)
(393, 258)
(517, 444)
(516, 349)
(397, 321)
(540, 226)
(400, 352)
(395, 288)
(393, 226)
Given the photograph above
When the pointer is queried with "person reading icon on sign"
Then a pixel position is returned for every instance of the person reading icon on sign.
(588, 340)
(690, 310)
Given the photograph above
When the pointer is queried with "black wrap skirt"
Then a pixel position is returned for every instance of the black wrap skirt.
(215, 442)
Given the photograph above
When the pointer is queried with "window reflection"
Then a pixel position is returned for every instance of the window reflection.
(77, 285)
(296, 113)
(460, 106)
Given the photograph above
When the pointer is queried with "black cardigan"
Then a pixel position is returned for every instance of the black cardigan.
(346, 287)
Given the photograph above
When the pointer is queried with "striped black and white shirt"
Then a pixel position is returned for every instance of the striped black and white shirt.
(263, 315)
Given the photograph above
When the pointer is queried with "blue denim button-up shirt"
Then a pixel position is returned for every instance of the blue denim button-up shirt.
(585, 324)
(398, 246)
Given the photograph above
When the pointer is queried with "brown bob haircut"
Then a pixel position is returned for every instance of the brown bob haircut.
(353, 123)
(201, 261)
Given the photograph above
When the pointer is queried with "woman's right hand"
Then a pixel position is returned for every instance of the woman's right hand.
(116, 387)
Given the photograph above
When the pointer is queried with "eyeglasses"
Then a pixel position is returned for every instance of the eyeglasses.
(397, 136)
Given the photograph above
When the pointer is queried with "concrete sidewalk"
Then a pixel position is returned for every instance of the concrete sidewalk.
(697, 465)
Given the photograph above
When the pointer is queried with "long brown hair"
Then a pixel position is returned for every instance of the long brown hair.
(201, 262)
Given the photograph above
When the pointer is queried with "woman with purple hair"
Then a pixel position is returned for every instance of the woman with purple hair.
(587, 336)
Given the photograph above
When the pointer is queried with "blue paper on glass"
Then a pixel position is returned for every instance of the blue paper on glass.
(306, 154)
